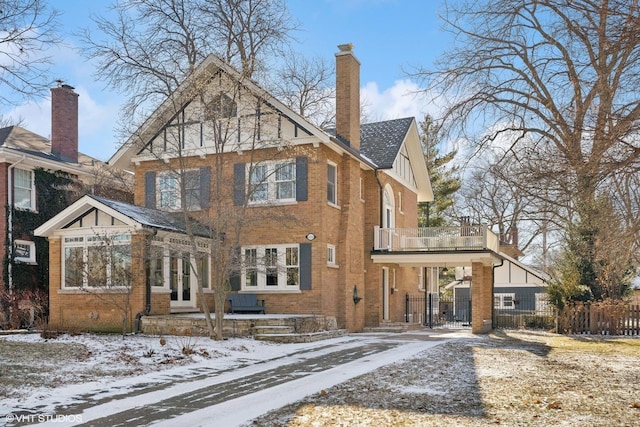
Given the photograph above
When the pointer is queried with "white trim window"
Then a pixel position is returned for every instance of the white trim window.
(168, 191)
(272, 182)
(273, 267)
(24, 251)
(504, 301)
(332, 183)
(95, 261)
(331, 256)
(24, 195)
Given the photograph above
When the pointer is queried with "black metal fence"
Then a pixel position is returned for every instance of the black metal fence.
(438, 310)
(453, 310)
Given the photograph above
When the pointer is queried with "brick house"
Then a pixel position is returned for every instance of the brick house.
(32, 171)
(315, 200)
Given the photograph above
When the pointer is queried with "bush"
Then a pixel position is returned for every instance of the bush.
(23, 308)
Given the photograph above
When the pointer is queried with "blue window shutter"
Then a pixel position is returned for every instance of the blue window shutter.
(235, 275)
(150, 190)
(301, 179)
(205, 187)
(234, 281)
(238, 183)
(305, 266)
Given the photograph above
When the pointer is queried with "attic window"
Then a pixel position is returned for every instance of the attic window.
(221, 107)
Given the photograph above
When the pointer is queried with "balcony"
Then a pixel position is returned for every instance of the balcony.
(436, 239)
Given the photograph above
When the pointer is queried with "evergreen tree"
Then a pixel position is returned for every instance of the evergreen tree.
(445, 180)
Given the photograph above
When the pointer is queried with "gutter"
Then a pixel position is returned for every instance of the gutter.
(147, 282)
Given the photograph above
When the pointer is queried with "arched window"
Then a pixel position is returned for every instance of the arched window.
(389, 208)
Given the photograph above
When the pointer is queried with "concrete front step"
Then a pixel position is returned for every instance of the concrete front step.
(290, 338)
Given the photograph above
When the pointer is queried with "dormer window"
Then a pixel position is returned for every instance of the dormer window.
(221, 107)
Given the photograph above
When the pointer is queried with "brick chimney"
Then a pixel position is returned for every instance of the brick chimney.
(64, 123)
(348, 95)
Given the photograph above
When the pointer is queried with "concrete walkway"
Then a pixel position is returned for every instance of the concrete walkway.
(234, 397)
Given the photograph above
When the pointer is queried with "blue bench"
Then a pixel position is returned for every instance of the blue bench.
(245, 303)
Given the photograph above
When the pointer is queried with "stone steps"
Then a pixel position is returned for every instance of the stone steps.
(273, 329)
(292, 337)
(390, 327)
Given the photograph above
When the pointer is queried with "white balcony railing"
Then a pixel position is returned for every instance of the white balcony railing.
(474, 237)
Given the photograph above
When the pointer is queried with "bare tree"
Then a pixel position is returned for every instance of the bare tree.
(150, 46)
(28, 29)
(149, 51)
(563, 75)
(103, 269)
(307, 87)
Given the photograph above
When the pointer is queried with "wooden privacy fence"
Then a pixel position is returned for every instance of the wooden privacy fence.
(600, 318)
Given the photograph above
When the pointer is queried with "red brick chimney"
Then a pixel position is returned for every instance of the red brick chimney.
(64, 123)
(348, 95)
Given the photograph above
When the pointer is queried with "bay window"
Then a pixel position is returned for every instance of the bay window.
(97, 261)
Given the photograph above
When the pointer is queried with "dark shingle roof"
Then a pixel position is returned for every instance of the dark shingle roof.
(380, 141)
(168, 221)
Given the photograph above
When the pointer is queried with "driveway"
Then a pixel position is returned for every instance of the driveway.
(236, 396)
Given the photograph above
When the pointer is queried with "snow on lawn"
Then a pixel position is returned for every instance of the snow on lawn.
(39, 375)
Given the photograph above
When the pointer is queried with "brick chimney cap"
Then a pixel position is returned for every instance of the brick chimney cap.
(62, 84)
(347, 47)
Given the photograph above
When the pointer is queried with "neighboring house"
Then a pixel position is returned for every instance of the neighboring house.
(315, 198)
(517, 288)
(38, 178)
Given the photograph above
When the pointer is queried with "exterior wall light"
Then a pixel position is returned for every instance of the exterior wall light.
(356, 298)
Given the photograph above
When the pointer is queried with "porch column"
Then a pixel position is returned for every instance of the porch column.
(481, 298)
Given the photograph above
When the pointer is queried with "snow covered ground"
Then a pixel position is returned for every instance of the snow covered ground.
(79, 378)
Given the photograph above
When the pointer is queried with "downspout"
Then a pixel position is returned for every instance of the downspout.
(147, 284)
(10, 222)
(493, 283)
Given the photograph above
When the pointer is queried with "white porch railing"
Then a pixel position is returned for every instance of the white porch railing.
(473, 237)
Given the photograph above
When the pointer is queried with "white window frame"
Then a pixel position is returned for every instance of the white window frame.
(191, 187)
(31, 189)
(162, 188)
(272, 181)
(504, 301)
(31, 259)
(86, 241)
(170, 247)
(332, 187)
(331, 255)
(281, 267)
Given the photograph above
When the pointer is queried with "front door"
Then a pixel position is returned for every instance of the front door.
(180, 283)
(385, 293)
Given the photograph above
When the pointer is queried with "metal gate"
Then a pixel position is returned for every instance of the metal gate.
(439, 310)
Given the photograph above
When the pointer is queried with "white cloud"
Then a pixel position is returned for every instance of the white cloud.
(404, 99)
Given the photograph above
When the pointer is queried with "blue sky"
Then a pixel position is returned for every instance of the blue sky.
(388, 35)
